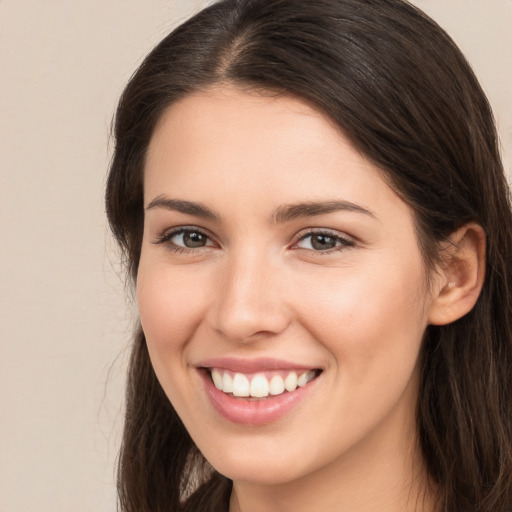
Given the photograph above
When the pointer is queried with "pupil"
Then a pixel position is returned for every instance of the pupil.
(323, 242)
(194, 239)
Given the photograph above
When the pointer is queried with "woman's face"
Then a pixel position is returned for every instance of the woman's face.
(274, 252)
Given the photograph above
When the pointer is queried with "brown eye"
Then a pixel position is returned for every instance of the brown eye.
(323, 242)
(187, 239)
(192, 239)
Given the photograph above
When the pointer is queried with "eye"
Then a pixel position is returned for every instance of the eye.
(183, 239)
(323, 241)
(189, 239)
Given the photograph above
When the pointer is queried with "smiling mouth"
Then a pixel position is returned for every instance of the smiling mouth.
(261, 385)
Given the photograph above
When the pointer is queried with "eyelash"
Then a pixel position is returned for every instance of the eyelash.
(344, 242)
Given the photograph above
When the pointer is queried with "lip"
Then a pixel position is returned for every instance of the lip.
(253, 365)
(253, 412)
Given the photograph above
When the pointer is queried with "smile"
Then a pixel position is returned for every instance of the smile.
(260, 385)
(256, 392)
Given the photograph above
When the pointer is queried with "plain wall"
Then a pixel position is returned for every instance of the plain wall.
(65, 322)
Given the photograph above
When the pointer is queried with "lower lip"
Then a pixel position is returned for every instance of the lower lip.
(254, 412)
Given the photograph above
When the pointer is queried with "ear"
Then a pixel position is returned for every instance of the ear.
(461, 275)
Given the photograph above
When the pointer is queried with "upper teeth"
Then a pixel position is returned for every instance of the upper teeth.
(259, 385)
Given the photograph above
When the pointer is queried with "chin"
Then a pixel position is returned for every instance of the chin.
(270, 461)
(258, 472)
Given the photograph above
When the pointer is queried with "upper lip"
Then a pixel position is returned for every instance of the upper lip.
(245, 365)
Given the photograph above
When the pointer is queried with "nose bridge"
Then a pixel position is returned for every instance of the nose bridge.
(250, 301)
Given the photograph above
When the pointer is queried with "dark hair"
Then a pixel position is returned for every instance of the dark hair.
(406, 98)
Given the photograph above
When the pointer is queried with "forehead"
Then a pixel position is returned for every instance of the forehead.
(253, 147)
(220, 119)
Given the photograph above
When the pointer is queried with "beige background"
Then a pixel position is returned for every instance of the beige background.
(65, 323)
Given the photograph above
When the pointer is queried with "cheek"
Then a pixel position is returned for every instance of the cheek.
(170, 305)
(372, 321)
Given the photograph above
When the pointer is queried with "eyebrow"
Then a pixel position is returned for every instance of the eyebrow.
(188, 207)
(282, 214)
(290, 212)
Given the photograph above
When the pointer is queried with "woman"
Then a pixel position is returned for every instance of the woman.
(311, 202)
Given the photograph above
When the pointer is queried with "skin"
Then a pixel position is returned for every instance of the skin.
(258, 288)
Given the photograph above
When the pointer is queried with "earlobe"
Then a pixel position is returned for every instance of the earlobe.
(461, 276)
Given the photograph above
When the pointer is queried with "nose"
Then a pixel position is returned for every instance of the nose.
(251, 302)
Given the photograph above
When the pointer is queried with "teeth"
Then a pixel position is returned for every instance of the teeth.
(259, 386)
(305, 378)
(217, 379)
(276, 386)
(227, 383)
(290, 383)
(240, 385)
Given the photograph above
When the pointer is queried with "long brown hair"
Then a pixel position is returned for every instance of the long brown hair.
(407, 99)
